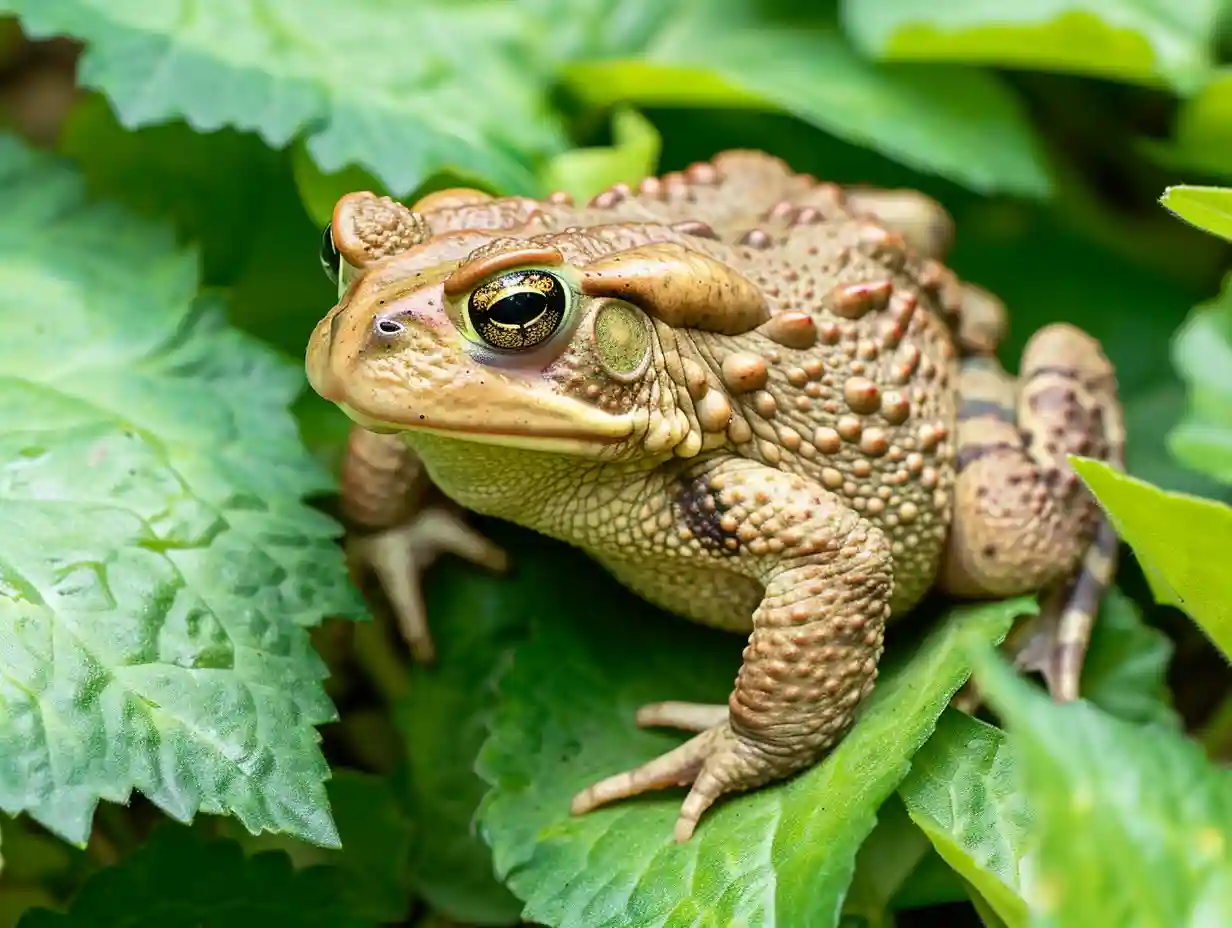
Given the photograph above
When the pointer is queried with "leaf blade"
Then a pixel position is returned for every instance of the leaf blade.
(1178, 538)
(160, 568)
(565, 719)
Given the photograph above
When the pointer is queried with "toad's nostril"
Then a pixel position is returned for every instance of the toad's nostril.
(388, 327)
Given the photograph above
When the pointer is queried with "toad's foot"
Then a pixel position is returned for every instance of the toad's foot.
(384, 487)
(715, 762)
(817, 631)
(400, 556)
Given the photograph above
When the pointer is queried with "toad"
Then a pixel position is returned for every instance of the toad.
(759, 400)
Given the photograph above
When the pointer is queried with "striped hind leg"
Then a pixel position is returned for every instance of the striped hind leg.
(1023, 520)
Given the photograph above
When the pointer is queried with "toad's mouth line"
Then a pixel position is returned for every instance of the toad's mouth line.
(541, 437)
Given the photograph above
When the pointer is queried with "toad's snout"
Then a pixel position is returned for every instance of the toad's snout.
(318, 360)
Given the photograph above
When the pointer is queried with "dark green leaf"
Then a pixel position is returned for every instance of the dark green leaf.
(1133, 825)
(159, 569)
(566, 719)
(1046, 273)
(1130, 40)
(475, 617)
(179, 880)
(1126, 667)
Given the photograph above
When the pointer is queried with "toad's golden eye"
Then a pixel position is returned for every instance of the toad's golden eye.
(519, 310)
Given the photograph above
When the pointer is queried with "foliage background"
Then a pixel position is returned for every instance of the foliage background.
(168, 557)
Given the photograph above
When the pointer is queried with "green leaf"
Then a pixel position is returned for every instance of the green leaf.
(961, 792)
(1134, 825)
(1202, 356)
(179, 880)
(376, 846)
(962, 124)
(1208, 208)
(159, 569)
(402, 90)
(476, 617)
(565, 719)
(585, 172)
(1180, 540)
(1202, 136)
(1139, 41)
(1126, 666)
(214, 187)
(886, 859)
(1067, 278)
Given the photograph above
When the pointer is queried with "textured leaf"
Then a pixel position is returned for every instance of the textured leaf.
(476, 616)
(583, 172)
(1134, 825)
(1143, 41)
(158, 569)
(1126, 667)
(565, 719)
(400, 89)
(1208, 208)
(178, 880)
(1202, 355)
(1180, 540)
(962, 124)
(962, 793)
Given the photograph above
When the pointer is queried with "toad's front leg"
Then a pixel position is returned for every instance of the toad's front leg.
(817, 632)
(384, 494)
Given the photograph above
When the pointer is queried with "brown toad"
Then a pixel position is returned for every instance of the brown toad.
(756, 404)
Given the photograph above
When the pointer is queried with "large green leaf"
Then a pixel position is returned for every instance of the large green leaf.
(1133, 824)
(401, 89)
(962, 793)
(565, 719)
(158, 570)
(1144, 41)
(962, 124)
(1180, 540)
(179, 880)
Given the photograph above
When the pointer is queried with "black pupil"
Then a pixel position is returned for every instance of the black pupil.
(518, 308)
(330, 259)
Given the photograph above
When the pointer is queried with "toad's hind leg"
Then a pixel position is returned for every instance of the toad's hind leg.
(825, 580)
(1023, 520)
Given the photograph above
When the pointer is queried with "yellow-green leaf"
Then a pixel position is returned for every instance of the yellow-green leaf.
(584, 172)
(1208, 208)
(1182, 542)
